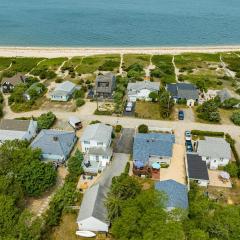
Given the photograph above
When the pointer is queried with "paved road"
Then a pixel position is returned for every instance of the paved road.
(85, 113)
(115, 169)
(125, 142)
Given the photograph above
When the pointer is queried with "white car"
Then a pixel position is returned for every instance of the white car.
(128, 109)
(130, 104)
(188, 136)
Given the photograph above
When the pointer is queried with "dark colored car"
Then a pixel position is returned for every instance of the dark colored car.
(180, 115)
(189, 146)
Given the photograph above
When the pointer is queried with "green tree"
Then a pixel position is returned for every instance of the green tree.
(209, 111)
(46, 120)
(236, 117)
(143, 128)
(153, 96)
(166, 104)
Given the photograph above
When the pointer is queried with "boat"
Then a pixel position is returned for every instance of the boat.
(86, 234)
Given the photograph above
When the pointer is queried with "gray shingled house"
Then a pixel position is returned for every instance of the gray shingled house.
(105, 85)
(9, 83)
(183, 91)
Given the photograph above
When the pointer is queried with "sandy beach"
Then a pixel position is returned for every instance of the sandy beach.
(51, 52)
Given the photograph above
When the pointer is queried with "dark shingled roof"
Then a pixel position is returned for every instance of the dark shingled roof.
(15, 80)
(183, 90)
(197, 168)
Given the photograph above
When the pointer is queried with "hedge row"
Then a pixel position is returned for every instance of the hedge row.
(231, 141)
(207, 133)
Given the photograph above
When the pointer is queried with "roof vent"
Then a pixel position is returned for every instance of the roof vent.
(55, 138)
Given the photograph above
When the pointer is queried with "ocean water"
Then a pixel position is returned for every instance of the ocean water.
(107, 23)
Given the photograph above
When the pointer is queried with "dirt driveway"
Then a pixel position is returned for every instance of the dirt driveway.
(176, 170)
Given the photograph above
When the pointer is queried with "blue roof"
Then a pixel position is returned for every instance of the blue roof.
(152, 144)
(177, 193)
(54, 142)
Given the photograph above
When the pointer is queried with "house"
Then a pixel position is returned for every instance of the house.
(183, 91)
(197, 170)
(224, 95)
(215, 151)
(11, 129)
(96, 135)
(93, 213)
(63, 91)
(55, 145)
(8, 84)
(37, 88)
(177, 194)
(96, 159)
(105, 85)
(141, 90)
(95, 143)
(150, 151)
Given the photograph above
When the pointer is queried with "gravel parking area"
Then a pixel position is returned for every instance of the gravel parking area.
(125, 142)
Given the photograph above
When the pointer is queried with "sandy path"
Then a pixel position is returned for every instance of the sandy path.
(176, 70)
(227, 71)
(71, 52)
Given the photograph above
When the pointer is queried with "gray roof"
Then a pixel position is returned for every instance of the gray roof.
(93, 204)
(137, 86)
(99, 132)
(15, 80)
(197, 168)
(224, 95)
(54, 142)
(183, 90)
(102, 80)
(14, 125)
(99, 151)
(177, 193)
(64, 88)
(152, 144)
(214, 148)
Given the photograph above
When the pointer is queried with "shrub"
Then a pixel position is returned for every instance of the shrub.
(46, 120)
(232, 169)
(127, 168)
(182, 101)
(106, 113)
(80, 102)
(231, 141)
(230, 103)
(78, 94)
(143, 128)
(207, 133)
(94, 122)
(59, 80)
(118, 128)
(236, 117)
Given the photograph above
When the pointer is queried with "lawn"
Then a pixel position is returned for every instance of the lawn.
(141, 59)
(148, 110)
(164, 68)
(99, 62)
(5, 63)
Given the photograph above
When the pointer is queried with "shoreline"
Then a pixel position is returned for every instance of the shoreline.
(51, 52)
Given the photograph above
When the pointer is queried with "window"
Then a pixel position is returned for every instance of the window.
(86, 142)
(99, 143)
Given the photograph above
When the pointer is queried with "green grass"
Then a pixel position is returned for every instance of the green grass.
(233, 61)
(24, 65)
(73, 62)
(164, 64)
(130, 59)
(148, 110)
(190, 61)
(93, 63)
(51, 64)
(5, 63)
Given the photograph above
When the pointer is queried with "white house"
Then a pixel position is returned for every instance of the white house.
(214, 151)
(63, 91)
(95, 143)
(96, 135)
(11, 129)
(93, 213)
(141, 90)
(55, 145)
(197, 170)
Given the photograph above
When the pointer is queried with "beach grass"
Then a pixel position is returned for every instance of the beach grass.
(130, 59)
(73, 62)
(51, 64)
(90, 64)
(233, 61)
(5, 63)
(164, 67)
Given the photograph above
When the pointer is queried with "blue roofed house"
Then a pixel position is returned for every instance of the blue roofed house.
(55, 145)
(150, 151)
(177, 194)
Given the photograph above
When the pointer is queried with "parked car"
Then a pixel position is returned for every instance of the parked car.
(189, 147)
(180, 115)
(188, 136)
(75, 122)
(129, 107)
